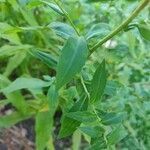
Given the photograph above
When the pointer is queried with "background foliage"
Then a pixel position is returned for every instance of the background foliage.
(37, 40)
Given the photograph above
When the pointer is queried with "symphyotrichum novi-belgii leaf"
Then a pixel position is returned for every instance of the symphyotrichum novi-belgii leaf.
(98, 83)
(72, 59)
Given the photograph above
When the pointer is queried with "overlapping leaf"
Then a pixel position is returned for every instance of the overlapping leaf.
(71, 61)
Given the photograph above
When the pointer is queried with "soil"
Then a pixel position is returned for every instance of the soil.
(22, 135)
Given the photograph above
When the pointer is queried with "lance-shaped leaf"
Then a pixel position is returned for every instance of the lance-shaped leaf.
(98, 31)
(46, 58)
(98, 83)
(98, 143)
(25, 83)
(53, 6)
(62, 29)
(15, 98)
(73, 57)
(116, 135)
(82, 116)
(69, 125)
(92, 131)
(110, 118)
(14, 118)
(144, 30)
(52, 97)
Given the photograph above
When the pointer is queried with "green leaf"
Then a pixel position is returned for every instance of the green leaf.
(98, 143)
(98, 30)
(91, 131)
(98, 83)
(73, 57)
(82, 116)
(46, 58)
(43, 128)
(62, 29)
(111, 118)
(54, 7)
(69, 125)
(9, 50)
(15, 98)
(116, 135)
(52, 97)
(10, 120)
(144, 30)
(9, 33)
(25, 83)
(13, 64)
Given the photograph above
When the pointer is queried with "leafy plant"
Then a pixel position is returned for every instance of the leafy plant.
(79, 62)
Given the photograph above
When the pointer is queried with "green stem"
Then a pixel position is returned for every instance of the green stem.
(67, 16)
(141, 6)
(85, 88)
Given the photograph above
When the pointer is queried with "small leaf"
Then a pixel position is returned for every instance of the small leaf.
(144, 30)
(43, 127)
(12, 119)
(52, 99)
(93, 132)
(69, 125)
(53, 6)
(9, 50)
(8, 32)
(116, 135)
(15, 98)
(112, 117)
(13, 64)
(82, 116)
(46, 58)
(98, 83)
(98, 143)
(25, 83)
(63, 30)
(98, 30)
(73, 57)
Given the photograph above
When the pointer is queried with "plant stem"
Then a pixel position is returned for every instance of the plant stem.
(85, 88)
(67, 16)
(141, 6)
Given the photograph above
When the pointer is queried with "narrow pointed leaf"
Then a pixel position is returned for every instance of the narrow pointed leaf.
(62, 29)
(116, 135)
(69, 125)
(73, 57)
(54, 7)
(98, 31)
(98, 83)
(15, 98)
(93, 132)
(52, 99)
(25, 83)
(110, 118)
(12, 119)
(46, 58)
(82, 116)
